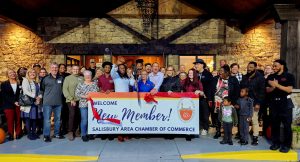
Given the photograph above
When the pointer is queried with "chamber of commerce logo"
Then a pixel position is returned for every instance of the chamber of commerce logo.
(186, 109)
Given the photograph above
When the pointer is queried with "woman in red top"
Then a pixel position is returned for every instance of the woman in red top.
(193, 84)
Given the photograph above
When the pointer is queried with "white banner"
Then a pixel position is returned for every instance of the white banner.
(167, 116)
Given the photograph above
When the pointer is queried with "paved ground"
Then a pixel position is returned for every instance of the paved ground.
(144, 150)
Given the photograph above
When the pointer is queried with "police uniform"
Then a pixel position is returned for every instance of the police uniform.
(281, 108)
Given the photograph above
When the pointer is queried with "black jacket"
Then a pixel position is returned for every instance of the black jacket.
(7, 95)
(256, 85)
(170, 84)
(233, 88)
(206, 80)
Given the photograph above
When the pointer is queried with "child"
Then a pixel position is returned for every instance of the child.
(228, 117)
(245, 104)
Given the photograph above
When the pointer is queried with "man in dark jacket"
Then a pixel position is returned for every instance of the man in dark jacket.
(255, 82)
(224, 85)
(206, 79)
(51, 92)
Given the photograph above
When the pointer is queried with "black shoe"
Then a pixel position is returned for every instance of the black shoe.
(58, 136)
(230, 143)
(217, 135)
(47, 139)
(10, 138)
(91, 137)
(19, 137)
(284, 149)
(223, 142)
(237, 137)
(85, 138)
(188, 138)
(110, 138)
(254, 141)
(244, 142)
(274, 147)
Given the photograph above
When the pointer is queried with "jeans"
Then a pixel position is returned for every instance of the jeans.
(227, 131)
(244, 127)
(84, 121)
(47, 110)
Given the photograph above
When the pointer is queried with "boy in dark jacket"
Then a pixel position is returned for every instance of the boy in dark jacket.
(245, 105)
(228, 116)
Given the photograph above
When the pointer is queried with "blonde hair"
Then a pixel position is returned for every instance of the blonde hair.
(36, 79)
(9, 69)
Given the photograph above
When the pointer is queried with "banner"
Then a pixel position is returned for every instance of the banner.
(123, 113)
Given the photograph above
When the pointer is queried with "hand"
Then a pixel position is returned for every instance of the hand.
(170, 92)
(153, 91)
(107, 92)
(249, 119)
(120, 60)
(256, 107)
(236, 106)
(73, 103)
(273, 83)
(17, 103)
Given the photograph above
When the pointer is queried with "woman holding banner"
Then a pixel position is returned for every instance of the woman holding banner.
(81, 92)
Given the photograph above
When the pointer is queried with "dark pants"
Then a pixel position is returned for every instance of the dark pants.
(244, 127)
(13, 118)
(30, 125)
(216, 120)
(265, 117)
(64, 118)
(204, 114)
(74, 117)
(227, 131)
(281, 114)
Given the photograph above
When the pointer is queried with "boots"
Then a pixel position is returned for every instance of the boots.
(217, 135)
(254, 141)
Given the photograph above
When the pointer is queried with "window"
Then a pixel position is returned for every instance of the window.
(188, 61)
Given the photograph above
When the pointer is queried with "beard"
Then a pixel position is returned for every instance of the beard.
(249, 73)
(277, 71)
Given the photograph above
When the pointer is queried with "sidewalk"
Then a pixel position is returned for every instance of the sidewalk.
(142, 150)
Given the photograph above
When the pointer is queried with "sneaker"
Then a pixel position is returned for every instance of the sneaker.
(70, 136)
(274, 147)
(188, 138)
(254, 141)
(223, 142)
(230, 143)
(47, 139)
(244, 142)
(58, 136)
(85, 138)
(91, 137)
(10, 138)
(203, 132)
(218, 134)
(284, 149)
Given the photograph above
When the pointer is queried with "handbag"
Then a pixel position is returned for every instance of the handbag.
(25, 100)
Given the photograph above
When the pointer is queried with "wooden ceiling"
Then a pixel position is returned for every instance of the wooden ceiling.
(243, 13)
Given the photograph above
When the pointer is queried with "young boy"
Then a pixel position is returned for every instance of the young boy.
(228, 117)
(245, 104)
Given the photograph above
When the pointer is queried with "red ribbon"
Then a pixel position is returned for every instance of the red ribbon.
(97, 116)
(150, 98)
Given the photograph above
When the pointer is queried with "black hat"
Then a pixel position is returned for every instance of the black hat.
(106, 63)
(36, 65)
(139, 61)
(199, 61)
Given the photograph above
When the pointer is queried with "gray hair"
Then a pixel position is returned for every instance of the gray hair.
(53, 64)
(87, 72)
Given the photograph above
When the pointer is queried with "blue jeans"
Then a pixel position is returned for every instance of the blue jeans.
(47, 110)
(84, 121)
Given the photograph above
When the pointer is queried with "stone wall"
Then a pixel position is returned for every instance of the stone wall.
(20, 47)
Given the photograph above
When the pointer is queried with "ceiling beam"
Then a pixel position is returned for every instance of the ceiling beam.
(287, 11)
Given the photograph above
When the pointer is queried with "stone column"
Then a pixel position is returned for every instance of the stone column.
(107, 57)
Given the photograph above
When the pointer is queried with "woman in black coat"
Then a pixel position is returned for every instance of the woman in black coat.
(170, 83)
(223, 86)
(10, 91)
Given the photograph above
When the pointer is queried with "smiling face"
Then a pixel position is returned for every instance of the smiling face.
(75, 70)
(277, 67)
(62, 69)
(182, 76)
(170, 71)
(155, 68)
(11, 74)
(122, 69)
(107, 69)
(31, 74)
(191, 74)
(54, 69)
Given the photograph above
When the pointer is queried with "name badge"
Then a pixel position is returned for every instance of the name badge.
(59, 81)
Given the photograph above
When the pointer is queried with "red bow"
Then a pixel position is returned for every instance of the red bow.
(97, 116)
(149, 98)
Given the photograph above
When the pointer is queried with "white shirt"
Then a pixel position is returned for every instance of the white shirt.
(157, 79)
(14, 87)
(121, 84)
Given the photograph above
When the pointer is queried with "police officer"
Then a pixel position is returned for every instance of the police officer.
(279, 86)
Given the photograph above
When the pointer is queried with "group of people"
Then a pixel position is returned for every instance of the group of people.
(227, 98)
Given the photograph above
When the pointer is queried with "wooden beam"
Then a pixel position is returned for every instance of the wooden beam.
(287, 11)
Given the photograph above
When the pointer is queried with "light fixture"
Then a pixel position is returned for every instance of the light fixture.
(148, 10)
